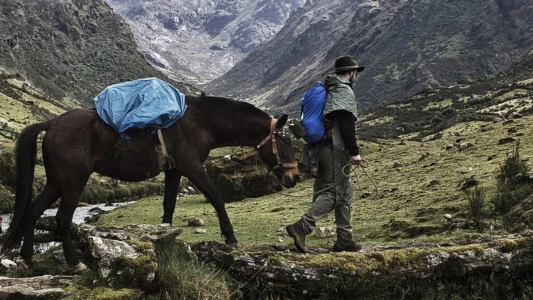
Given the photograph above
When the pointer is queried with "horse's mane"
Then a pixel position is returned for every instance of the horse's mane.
(221, 103)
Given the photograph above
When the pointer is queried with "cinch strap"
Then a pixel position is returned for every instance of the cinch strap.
(166, 162)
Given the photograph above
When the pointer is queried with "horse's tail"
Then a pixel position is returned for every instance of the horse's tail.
(26, 155)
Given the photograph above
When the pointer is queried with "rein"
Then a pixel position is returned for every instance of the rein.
(280, 164)
(363, 165)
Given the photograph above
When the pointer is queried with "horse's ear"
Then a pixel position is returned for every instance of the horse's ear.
(281, 121)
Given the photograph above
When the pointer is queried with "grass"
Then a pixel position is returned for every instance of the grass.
(183, 277)
(402, 171)
(15, 112)
(22, 105)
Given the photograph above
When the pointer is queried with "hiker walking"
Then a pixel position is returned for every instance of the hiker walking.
(328, 157)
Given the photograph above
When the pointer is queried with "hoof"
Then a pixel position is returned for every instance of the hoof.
(80, 268)
(233, 244)
(23, 266)
(165, 225)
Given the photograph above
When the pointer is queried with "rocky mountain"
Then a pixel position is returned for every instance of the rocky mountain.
(406, 45)
(200, 40)
(69, 50)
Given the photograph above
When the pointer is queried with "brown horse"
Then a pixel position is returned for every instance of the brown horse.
(78, 143)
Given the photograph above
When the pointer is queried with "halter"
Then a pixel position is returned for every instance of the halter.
(272, 136)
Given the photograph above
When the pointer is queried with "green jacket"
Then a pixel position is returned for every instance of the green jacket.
(339, 94)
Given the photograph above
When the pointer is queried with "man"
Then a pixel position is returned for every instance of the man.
(332, 186)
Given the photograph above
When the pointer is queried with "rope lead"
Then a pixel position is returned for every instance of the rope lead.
(363, 165)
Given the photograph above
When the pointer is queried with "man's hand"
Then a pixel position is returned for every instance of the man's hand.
(356, 160)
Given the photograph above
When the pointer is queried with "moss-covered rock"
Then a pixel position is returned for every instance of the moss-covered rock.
(137, 272)
(106, 293)
(410, 272)
(103, 192)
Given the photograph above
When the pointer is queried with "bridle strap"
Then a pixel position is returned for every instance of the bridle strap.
(293, 165)
(265, 140)
(272, 135)
(275, 149)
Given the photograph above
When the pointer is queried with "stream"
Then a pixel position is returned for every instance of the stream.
(79, 215)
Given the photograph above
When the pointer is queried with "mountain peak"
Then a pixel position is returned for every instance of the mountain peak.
(200, 40)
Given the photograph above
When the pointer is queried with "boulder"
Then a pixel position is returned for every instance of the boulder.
(125, 256)
(106, 252)
(194, 221)
(324, 232)
(40, 287)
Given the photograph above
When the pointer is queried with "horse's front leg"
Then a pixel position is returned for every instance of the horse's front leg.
(199, 177)
(172, 184)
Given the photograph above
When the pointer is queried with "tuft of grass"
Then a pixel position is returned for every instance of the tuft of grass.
(183, 277)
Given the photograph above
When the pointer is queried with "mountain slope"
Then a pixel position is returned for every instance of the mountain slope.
(509, 94)
(69, 49)
(200, 40)
(405, 46)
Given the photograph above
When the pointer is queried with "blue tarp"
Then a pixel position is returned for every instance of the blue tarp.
(141, 103)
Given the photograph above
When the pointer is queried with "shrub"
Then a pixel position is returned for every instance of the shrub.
(7, 181)
(437, 136)
(7, 201)
(122, 192)
(428, 89)
(7, 168)
(466, 80)
(476, 206)
(511, 188)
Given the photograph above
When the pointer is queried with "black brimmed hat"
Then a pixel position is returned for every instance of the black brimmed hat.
(345, 63)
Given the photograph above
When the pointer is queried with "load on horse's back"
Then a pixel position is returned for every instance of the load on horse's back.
(142, 103)
(79, 142)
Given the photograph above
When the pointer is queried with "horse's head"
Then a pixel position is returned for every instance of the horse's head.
(277, 152)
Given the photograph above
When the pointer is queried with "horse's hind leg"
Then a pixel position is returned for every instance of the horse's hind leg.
(199, 177)
(69, 202)
(47, 197)
(172, 184)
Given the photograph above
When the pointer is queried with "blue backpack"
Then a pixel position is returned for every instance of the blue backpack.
(312, 113)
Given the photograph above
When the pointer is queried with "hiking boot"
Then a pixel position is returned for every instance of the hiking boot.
(296, 232)
(348, 246)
